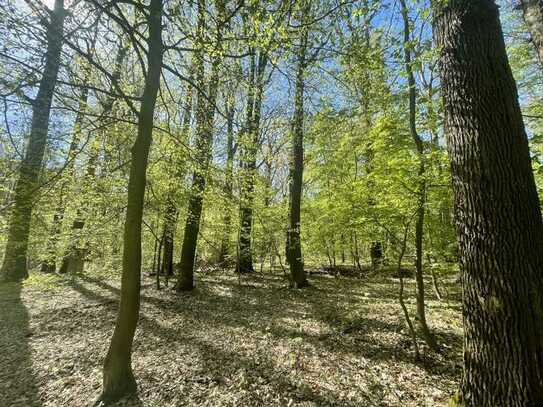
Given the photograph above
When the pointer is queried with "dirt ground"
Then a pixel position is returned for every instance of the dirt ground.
(248, 342)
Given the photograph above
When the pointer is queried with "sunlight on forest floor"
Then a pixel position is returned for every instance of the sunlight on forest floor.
(343, 342)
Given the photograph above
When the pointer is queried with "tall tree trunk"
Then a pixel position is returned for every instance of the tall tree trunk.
(498, 218)
(14, 265)
(294, 244)
(118, 379)
(532, 11)
(421, 187)
(244, 263)
(205, 114)
(250, 146)
(224, 256)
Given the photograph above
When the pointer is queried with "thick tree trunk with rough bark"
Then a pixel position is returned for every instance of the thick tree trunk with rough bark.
(532, 12)
(294, 244)
(14, 265)
(205, 114)
(118, 379)
(498, 218)
(421, 187)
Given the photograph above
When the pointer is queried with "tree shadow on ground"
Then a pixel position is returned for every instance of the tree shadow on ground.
(18, 387)
(260, 370)
(255, 308)
(222, 365)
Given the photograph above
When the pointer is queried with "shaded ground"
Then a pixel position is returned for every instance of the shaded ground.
(252, 342)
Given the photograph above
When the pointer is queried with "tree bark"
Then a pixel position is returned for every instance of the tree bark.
(532, 12)
(14, 267)
(205, 113)
(498, 218)
(421, 182)
(118, 379)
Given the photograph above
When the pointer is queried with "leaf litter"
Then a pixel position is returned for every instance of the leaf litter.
(232, 342)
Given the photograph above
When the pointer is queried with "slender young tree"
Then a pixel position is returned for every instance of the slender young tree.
(421, 183)
(118, 379)
(14, 265)
(294, 244)
(498, 218)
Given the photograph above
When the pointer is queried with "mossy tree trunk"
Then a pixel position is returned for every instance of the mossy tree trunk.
(14, 265)
(498, 218)
(118, 379)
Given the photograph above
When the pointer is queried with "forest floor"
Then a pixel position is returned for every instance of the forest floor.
(248, 342)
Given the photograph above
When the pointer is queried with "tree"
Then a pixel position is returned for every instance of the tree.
(73, 257)
(49, 264)
(294, 244)
(421, 184)
(205, 114)
(118, 379)
(224, 255)
(249, 145)
(498, 219)
(532, 12)
(14, 265)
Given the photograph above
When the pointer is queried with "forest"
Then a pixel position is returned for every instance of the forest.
(271, 203)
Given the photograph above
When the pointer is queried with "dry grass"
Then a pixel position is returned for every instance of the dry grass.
(341, 342)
